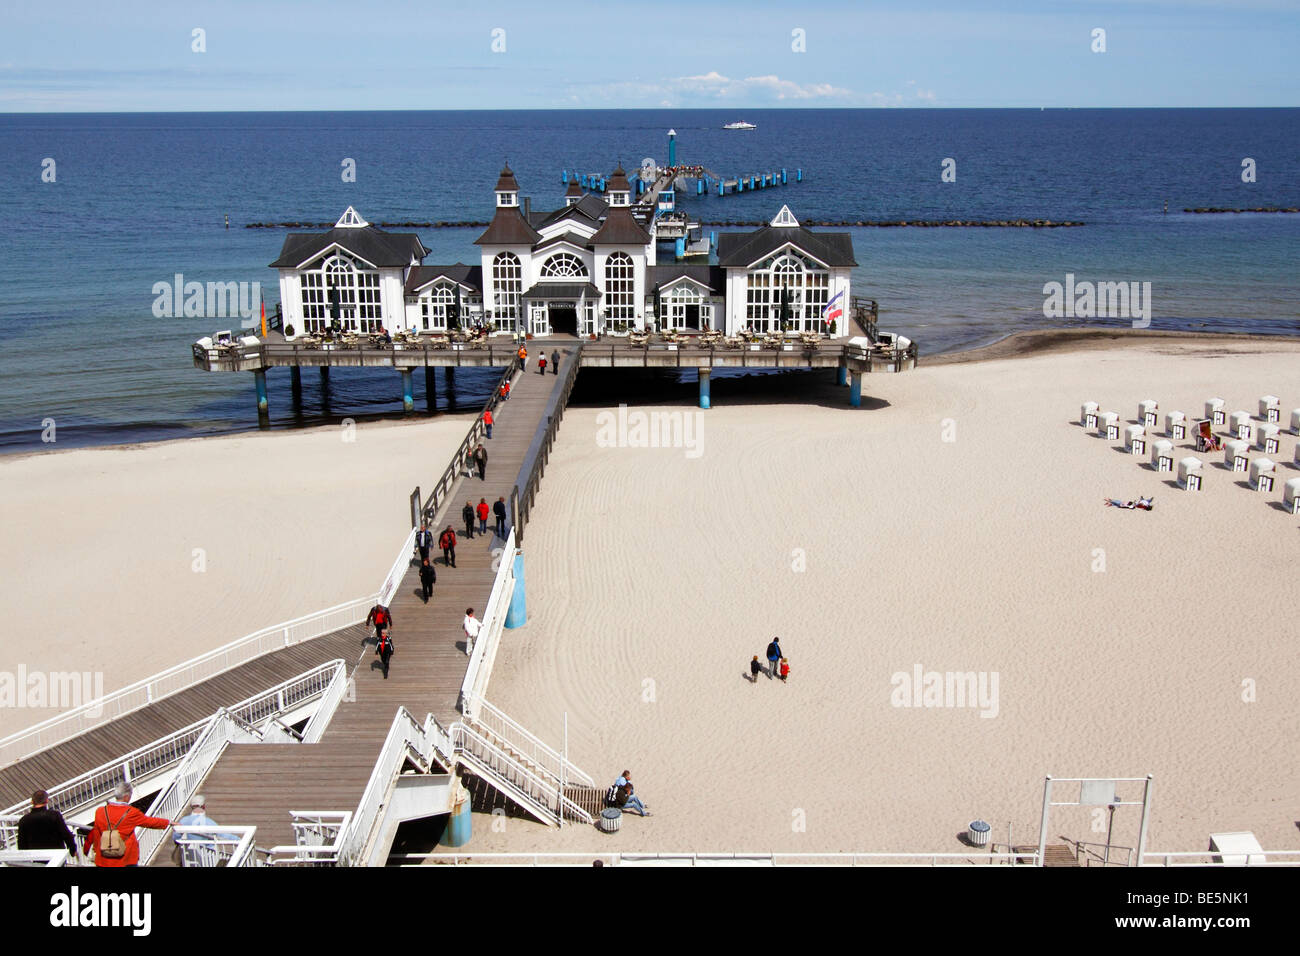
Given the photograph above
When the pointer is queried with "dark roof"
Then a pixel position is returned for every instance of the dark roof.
(573, 238)
(620, 229)
(618, 181)
(744, 248)
(715, 277)
(589, 208)
(507, 182)
(370, 243)
(421, 276)
(562, 290)
(508, 228)
(574, 189)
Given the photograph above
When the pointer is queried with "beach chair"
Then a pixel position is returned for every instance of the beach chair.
(1206, 440)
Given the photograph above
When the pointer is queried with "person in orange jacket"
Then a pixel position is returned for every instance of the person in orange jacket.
(487, 422)
(483, 509)
(118, 814)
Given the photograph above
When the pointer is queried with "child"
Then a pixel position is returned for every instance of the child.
(785, 670)
(541, 365)
(384, 651)
(755, 668)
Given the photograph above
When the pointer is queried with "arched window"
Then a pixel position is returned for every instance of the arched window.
(806, 286)
(619, 287)
(436, 306)
(343, 282)
(562, 265)
(507, 283)
(684, 307)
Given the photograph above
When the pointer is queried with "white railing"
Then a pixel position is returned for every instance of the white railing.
(716, 859)
(318, 839)
(404, 736)
(216, 846)
(72, 723)
(1206, 858)
(222, 730)
(333, 695)
(9, 831)
(397, 571)
(35, 858)
(479, 671)
(164, 753)
(491, 720)
(531, 791)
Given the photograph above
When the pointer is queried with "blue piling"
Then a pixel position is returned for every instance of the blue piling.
(681, 248)
(517, 613)
(719, 187)
(855, 390)
(784, 179)
(842, 375)
(713, 239)
(564, 176)
(798, 175)
(704, 388)
(699, 187)
(259, 379)
(459, 827)
(408, 396)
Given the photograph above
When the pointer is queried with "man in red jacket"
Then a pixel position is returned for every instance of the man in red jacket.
(447, 541)
(119, 815)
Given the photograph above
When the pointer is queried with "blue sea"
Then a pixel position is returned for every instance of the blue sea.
(138, 198)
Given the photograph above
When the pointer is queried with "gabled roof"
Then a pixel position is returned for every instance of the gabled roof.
(618, 181)
(368, 243)
(562, 290)
(507, 182)
(713, 277)
(737, 249)
(572, 238)
(422, 276)
(508, 228)
(590, 209)
(620, 229)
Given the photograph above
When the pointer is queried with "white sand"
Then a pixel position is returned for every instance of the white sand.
(647, 569)
(97, 553)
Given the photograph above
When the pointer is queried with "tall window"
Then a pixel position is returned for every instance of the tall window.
(507, 282)
(435, 308)
(684, 307)
(806, 286)
(562, 265)
(619, 287)
(356, 289)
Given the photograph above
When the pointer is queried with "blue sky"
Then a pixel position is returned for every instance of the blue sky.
(383, 54)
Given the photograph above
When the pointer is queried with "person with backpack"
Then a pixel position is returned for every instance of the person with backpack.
(447, 541)
(483, 510)
(381, 618)
(384, 651)
(113, 836)
(499, 509)
(428, 577)
(43, 828)
(467, 515)
(773, 657)
(424, 541)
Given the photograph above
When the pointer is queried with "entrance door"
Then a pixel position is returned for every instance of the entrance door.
(692, 316)
(564, 318)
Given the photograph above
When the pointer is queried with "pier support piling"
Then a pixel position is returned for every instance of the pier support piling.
(263, 407)
(295, 384)
(408, 396)
(430, 389)
(704, 387)
(842, 375)
(324, 376)
(517, 614)
(855, 389)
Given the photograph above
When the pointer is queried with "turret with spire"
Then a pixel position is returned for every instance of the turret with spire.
(618, 189)
(507, 189)
(574, 193)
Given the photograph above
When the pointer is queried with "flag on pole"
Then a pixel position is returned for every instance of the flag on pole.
(263, 315)
(830, 311)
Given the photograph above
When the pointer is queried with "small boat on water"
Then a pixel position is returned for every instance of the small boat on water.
(740, 124)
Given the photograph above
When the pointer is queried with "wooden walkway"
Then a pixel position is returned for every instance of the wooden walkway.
(258, 784)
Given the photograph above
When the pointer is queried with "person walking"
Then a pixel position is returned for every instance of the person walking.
(43, 828)
(555, 361)
(467, 515)
(424, 541)
(447, 541)
(113, 836)
(523, 356)
(773, 656)
(785, 670)
(483, 510)
(193, 849)
(488, 422)
(428, 577)
(381, 618)
(384, 651)
(541, 364)
(480, 458)
(499, 509)
(472, 626)
(505, 391)
(755, 668)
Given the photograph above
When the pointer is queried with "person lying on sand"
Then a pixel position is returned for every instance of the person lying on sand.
(1146, 504)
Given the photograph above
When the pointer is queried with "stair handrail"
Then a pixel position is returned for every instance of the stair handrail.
(547, 807)
(494, 720)
(479, 671)
(404, 736)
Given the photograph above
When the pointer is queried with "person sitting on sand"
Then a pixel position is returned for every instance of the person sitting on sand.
(633, 802)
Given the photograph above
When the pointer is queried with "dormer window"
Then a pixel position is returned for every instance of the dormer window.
(505, 200)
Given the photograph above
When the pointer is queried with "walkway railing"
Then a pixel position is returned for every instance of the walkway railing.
(477, 674)
(716, 859)
(491, 721)
(318, 838)
(235, 356)
(73, 723)
(476, 432)
(167, 752)
(1206, 858)
(539, 451)
(40, 858)
(215, 846)
(398, 571)
(533, 791)
(405, 737)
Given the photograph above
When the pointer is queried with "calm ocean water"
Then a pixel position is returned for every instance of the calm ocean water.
(140, 197)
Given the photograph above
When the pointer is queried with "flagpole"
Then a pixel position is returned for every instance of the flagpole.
(263, 315)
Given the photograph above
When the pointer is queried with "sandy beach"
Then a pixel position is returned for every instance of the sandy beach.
(101, 546)
(872, 546)
(954, 523)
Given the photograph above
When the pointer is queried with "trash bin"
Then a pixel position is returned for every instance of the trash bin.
(979, 833)
(611, 818)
